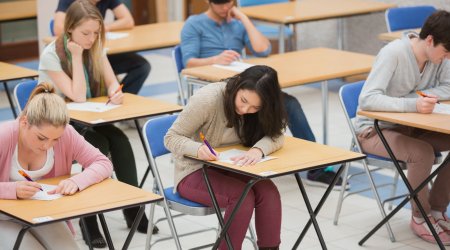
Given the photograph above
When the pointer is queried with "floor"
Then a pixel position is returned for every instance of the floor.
(359, 213)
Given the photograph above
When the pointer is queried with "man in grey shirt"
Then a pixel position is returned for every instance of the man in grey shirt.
(416, 62)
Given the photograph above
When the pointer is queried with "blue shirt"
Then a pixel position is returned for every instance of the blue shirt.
(202, 37)
(102, 6)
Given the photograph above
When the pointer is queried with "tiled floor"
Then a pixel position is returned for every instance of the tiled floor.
(359, 213)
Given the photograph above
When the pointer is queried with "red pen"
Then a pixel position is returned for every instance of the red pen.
(115, 92)
(207, 143)
(21, 172)
(424, 95)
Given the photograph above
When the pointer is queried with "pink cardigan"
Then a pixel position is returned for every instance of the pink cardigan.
(71, 146)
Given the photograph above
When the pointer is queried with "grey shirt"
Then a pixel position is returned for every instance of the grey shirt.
(394, 78)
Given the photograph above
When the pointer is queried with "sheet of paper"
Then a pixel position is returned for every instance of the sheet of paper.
(442, 109)
(115, 35)
(235, 66)
(225, 156)
(91, 106)
(43, 196)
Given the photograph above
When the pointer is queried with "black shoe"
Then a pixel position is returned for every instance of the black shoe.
(323, 178)
(97, 240)
(130, 215)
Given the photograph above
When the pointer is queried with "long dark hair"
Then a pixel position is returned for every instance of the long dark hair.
(270, 120)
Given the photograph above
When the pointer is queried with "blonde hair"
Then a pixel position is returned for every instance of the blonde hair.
(79, 12)
(45, 107)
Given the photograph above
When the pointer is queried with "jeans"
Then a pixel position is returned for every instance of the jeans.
(135, 66)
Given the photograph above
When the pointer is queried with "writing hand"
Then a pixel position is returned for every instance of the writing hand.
(425, 105)
(204, 153)
(26, 189)
(226, 57)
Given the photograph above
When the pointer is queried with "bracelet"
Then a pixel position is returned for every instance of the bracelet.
(262, 153)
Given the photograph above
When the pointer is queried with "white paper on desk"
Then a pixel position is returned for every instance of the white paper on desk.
(226, 156)
(43, 196)
(115, 35)
(442, 109)
(91, 106)
(235, 66)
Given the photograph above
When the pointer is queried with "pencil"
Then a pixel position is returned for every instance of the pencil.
(424, 95)
(115, 92)
(21, 172)
(207, 143)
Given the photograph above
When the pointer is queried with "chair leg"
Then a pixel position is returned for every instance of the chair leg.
(171, 225)
(378, 200)
(252, 235)
(150, 227)
(394, 188)
(341, 194)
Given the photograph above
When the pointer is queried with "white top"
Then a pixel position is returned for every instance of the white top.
(49, 61)
(34, 174)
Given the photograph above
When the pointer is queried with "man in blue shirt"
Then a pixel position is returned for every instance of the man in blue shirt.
(217, 36)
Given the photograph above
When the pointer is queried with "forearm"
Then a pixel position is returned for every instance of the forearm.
(196, 62)
(78, 87)
(120, 24)
(259, 42)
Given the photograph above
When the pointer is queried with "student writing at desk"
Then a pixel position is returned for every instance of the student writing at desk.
(76, 64)
(245, 109)
(41, 143)
(416, 62)
(217, 36)
(136, 67)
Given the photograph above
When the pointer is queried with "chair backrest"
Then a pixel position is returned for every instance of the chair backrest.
(154, 132)
(349, 94)
(52, 27)
(177, 58)
(244, 3)
(410, 17)
(22, 92)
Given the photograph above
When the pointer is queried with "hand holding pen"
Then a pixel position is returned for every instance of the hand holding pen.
(206, 152)
(26, 189)
(425, 105)
(114, 95)
(425, 95)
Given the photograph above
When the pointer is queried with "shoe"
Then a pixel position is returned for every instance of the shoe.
(444, 223)
(97, 240)
(323, 178)
(422, 230)
(130, 215)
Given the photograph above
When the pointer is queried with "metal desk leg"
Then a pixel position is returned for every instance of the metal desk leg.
(136, 222)
(106, 231)
(20, 237)
(13, 109)
(138, 128)
(281, 39)
(85, 233)
(324, 89)
(316, 210)
(412, 192)
(225, 226)
(340, 30)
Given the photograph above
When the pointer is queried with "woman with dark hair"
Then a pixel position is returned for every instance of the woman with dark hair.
(246, 109)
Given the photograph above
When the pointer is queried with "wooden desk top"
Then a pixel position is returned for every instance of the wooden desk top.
(143, 37)
(10, 72)
(17, 10)
(433, 122)
(312, 10)
(298, 67)
(391, 36)
(133, 107)
(102, 197)
(296, 155)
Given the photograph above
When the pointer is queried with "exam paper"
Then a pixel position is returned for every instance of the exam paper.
(226, 156)
(235, 66)
(442, 109)
(43, 196)
(91, 106)
(115, 35)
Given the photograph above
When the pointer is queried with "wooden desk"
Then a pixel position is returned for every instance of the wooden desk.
(134, 107)
(296, 155)
(391, 36)
(9, 72)
(433, 122)
(17, 10)
(312, 10)
(143, 37)
(297, 68)
(105, 196)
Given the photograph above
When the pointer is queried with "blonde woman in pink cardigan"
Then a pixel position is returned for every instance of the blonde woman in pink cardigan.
(41, 143)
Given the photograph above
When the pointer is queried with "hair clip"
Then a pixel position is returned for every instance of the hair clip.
(46, 91)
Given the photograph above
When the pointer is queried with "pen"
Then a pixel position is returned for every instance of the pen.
(115, 92)
(424, 95)
(21, 172)
(207, 143)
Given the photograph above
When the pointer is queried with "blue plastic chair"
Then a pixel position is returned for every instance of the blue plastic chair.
(22, 92)
(410, 17)
(177, 58)
(154, 131)
(52, 27)
(269, 31)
